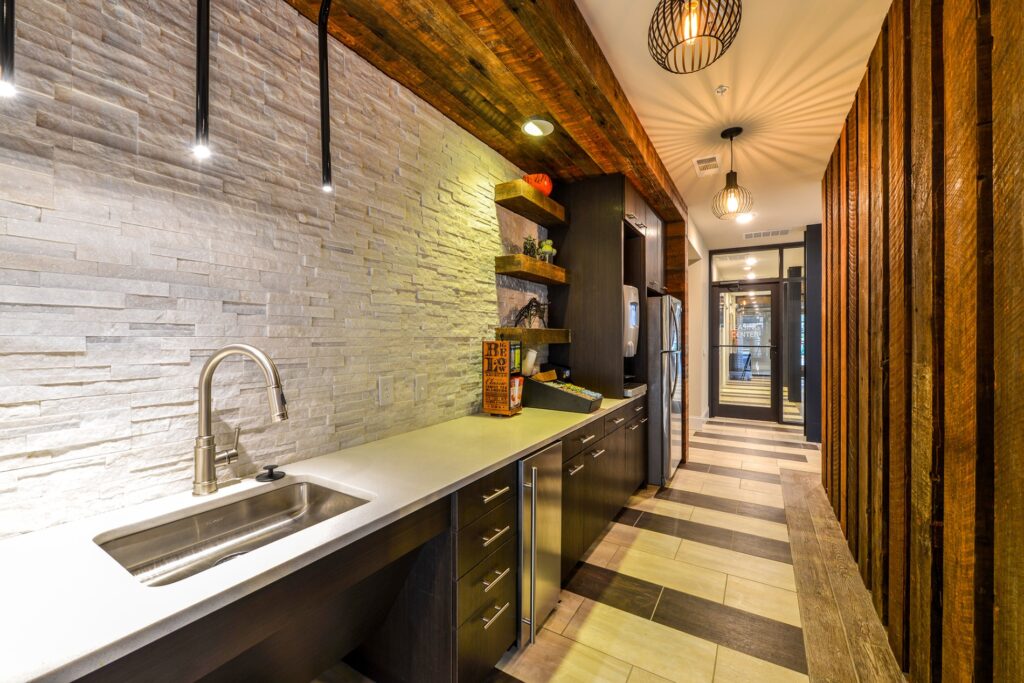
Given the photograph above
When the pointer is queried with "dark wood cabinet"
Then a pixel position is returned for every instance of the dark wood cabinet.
(574, 492)
(654, 248)
(636, 451)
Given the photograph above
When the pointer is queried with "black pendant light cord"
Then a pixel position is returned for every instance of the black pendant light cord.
(7, 48)
(202, 76)
(325, 96)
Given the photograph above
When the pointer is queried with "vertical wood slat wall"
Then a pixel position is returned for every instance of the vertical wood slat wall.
(923, 326)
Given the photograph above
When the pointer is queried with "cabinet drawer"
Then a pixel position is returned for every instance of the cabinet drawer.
(483, 639)
(635, 410)
(486, 580)
(482, 537)
(585, 436)
(617, 419)
(484, 494)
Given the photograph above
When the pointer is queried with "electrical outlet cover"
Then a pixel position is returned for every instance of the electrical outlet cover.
(385, 391)
(419, 388)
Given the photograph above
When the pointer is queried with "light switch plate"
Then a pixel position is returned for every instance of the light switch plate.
(419, 388)
(385, 391)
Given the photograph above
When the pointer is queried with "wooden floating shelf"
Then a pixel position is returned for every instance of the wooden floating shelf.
(534, 336)
(529, 268)
(522, 198)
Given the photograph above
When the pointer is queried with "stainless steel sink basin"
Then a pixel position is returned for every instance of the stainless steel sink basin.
(173, 551)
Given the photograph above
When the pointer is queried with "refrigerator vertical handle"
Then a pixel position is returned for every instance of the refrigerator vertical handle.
(533, 554)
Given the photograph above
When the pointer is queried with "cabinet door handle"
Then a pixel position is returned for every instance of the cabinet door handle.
(643, 420)
(618, 420)
(587, 439)
(501, 610)
(597, 454)
(576, 469)
(497, 493)
(498, 534)
(488, 585)
(633, 428)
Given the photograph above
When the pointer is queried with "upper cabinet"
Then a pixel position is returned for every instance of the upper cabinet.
(637, 213)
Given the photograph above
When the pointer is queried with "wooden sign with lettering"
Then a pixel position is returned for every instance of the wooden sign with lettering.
(503, 388)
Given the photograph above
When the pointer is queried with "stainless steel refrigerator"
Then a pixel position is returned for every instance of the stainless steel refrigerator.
(664, 388)
(540, 539)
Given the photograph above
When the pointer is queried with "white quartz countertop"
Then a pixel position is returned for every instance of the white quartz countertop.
(68, 608)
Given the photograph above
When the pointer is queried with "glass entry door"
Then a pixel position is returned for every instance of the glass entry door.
(744, 377)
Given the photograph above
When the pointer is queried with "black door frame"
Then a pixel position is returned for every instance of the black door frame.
(718, 409)
(778, 312)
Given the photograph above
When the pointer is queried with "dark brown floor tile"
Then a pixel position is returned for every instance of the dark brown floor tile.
(499, 676)
(627, 516)
(736, 507)
(768, 548)
(744, 474)
(754, 439)
(695, 466)
(615, 590)
(757, 636)
(733, 450)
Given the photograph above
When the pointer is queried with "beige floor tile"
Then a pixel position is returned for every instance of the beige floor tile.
(564, 611)
(768, 601)
(600, 552)
(687, 578)
(761, 487)
(661, 507)
(686, 483)
(773, 500)
(778, 574)
(638, 675)
(651, 542)
(659, 649)
(697, 454)
(748, 525)
(736, 667)
(761, 465)
(556, 658)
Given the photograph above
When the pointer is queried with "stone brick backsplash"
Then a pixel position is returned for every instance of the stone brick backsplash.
(124, 262)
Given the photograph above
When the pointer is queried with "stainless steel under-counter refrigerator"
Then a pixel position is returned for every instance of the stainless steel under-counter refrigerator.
(540, 539)
(664, 388)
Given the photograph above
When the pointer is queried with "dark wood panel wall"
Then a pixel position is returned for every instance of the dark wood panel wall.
(923, 317)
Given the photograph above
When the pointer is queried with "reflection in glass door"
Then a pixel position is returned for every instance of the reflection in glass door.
(744, 377)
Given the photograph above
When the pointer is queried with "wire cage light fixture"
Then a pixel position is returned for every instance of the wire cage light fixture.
(733, 199)
(686, 36)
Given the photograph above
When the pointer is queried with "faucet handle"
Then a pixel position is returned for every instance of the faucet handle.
(226, 457)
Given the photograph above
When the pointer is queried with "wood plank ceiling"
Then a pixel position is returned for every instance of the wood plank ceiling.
(490, 64)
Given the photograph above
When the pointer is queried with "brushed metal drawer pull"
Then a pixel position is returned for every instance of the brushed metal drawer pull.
(501, 610)
(587, 439)
(633, 428)
(488, 585)
(597, 454)
(643, 420)
(618, 420)
(637, 409)
(496, 494)
(576, 469)
(499, 533)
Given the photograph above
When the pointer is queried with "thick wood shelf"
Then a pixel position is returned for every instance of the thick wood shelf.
(529, 268)
(534, 336)
(520, 197)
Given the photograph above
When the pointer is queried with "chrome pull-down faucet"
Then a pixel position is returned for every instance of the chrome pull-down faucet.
(206, 455)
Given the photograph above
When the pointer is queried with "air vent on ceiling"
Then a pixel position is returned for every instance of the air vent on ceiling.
(764, 234)
(705, 166)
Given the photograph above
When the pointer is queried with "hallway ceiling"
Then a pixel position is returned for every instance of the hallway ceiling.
(792, 74)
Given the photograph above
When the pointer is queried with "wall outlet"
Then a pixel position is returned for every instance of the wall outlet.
(385, 390)
(419, 388)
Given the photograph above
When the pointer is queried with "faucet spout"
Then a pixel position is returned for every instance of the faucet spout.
(206, 455)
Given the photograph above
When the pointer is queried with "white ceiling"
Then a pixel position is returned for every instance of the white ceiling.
(792, 74)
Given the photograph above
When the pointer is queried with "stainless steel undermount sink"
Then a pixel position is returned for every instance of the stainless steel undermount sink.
(176, 550)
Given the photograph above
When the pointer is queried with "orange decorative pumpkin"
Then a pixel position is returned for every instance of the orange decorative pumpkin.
(540, 181)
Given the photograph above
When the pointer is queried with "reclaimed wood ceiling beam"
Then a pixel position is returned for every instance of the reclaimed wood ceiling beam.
(488, 65)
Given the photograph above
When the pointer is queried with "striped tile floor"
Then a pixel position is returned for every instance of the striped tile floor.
(693, 582)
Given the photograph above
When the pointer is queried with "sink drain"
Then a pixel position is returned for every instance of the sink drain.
(229, 557)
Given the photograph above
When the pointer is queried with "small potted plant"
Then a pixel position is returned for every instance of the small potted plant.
(530, 247)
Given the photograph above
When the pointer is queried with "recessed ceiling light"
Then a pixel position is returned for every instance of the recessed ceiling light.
(538, 128)
(747, 267)
(744, 218)
(751, 261)
(201, 152)
(751, 276)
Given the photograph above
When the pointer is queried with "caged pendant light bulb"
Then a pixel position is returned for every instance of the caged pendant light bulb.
(325, 99)
(7, 88)
(689, 35)
(733, 199)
